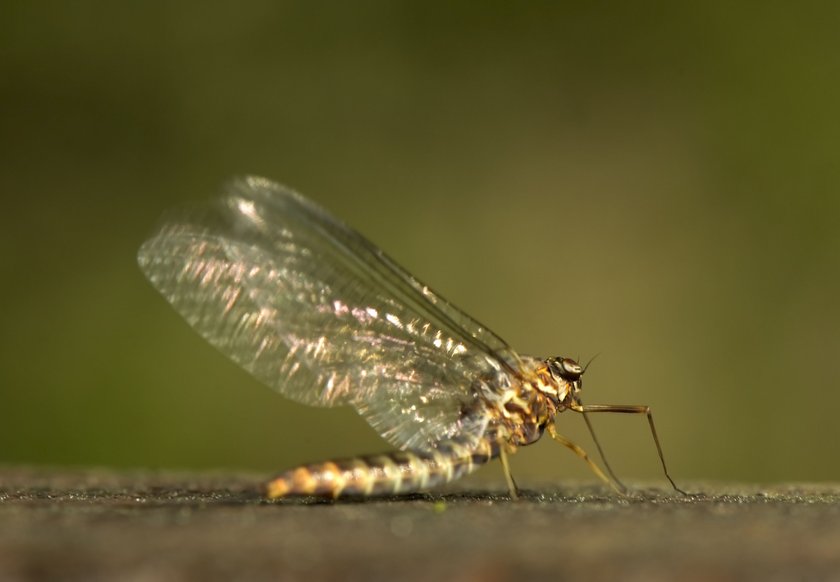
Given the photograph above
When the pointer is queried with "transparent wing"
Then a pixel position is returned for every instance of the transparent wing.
(318, 313)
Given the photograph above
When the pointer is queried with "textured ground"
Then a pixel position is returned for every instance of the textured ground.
(105, 525)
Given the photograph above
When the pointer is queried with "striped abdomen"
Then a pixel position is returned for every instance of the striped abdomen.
(386, 474)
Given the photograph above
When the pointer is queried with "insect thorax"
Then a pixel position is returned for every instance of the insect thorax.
(522, 409)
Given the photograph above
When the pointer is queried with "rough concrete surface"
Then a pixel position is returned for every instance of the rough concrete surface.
(97, 525)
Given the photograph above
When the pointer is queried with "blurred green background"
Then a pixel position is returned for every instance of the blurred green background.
(652, 182)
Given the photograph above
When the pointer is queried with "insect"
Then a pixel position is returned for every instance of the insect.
(321, 315)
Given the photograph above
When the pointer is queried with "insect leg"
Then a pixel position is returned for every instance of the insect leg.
(576, 449)
(514, 490)
(632, 409)
(602, 455)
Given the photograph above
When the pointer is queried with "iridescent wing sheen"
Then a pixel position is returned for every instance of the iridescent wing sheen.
(320, 314)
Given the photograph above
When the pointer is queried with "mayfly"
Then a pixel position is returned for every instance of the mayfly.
(318, 313)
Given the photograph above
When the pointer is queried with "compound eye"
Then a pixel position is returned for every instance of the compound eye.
(565, 368)
(570, 368)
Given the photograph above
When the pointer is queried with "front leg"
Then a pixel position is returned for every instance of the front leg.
(631, 409)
